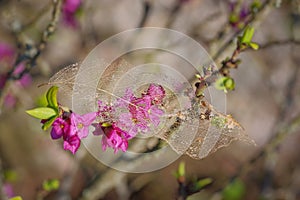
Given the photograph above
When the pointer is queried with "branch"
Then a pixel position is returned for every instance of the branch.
(31, 53)
(147, 8)
(280, 42)
(2, 195)
(251, 19)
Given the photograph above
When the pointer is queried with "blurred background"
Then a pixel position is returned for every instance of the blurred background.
(37, 38)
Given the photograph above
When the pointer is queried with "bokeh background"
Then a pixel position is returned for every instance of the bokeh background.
(265, 100)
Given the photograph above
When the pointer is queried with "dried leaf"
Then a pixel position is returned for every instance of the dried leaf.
(197, 131)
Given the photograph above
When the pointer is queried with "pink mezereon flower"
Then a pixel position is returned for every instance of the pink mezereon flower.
(105, 112)
(156, 93)
(71, 143)
(138, 109)
(146, 108)
(142, 113)
(60, 127)
(80, 124)
(72, 127)
(115, 138)
(6, 52)
(8, 190)
(70, 7)
(7, 59)
(10, 101)
(25, 80)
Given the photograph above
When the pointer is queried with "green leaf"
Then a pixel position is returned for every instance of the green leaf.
(234, 191)
(49, 122)
(234, 18)
(254, 45)
(247, 35)
(16, 198)
(42, 101)
(10, 175)
(255, 6)
(42, 112)
(181, 169)
(50, 185)
(229, 83)
(52, 97)
(202, 183)
(225, 84)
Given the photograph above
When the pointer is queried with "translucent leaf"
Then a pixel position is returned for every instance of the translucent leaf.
(214, 132)
(64, 80)
(197, 130)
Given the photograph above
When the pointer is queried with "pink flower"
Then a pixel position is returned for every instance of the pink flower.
(25, 80)
(144, 113)
(105, 112)
(3, 78)
(70, 7)
(126, 99)
(6, 57)
(127, 123)
(6, 52)
(154, 115)
(115, 138)
(80, 124)
(71, 143)
(10, 101)
(60, 127)
(8, 190)
(139, 111)
(72, 127)
(156, 93)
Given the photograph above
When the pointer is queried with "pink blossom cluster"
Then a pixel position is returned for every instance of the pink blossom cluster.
(69, 10)
(7, 59)
(138, 115)
(72, 128)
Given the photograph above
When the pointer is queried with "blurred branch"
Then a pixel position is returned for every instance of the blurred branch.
(174, 11)
(99, 188)
(2, 195)
(280, 132)
(272, 144)
(280, 42)
(253, 17)
(147, 8)
(31, 53)
(36, 18)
